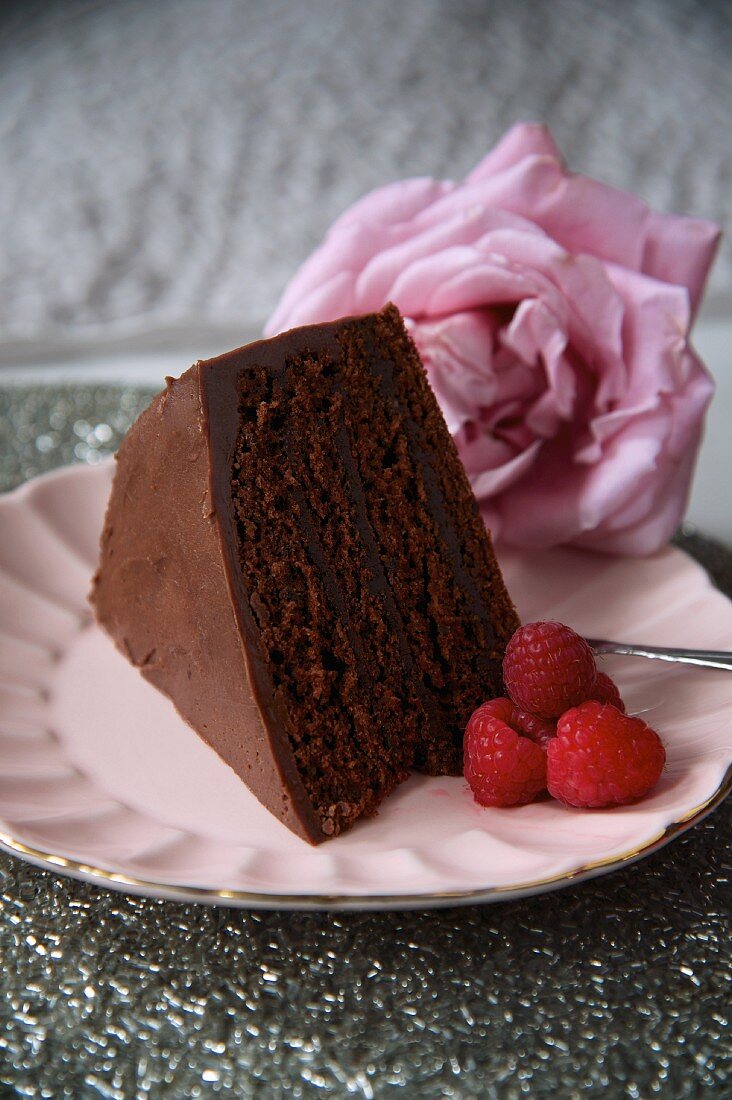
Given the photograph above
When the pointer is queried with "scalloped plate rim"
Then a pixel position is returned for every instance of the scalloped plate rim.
(120, 881)
(241, 899)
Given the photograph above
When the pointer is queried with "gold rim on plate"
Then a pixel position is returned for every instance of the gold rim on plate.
(243, 899)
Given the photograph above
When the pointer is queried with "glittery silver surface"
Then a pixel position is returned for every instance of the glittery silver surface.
(616, 988)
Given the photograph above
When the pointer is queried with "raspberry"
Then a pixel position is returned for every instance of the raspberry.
(538, 729)
(548, 668)
(606, 691)
(529, 725)
(502, 767)
(601, 757)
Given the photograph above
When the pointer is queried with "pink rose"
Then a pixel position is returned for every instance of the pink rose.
(552, 313)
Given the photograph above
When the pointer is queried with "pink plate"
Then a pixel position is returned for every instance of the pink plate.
(100, 778)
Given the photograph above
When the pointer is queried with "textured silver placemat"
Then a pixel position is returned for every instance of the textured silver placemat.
(616, 988)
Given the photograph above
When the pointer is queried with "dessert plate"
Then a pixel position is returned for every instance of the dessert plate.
(101, 780)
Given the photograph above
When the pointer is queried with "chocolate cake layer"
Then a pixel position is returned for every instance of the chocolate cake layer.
(293, 554)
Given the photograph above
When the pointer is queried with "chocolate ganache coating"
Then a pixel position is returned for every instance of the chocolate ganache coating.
(163, 592)
(292, 554)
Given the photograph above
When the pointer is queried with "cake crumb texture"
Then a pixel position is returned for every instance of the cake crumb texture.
(380, 611)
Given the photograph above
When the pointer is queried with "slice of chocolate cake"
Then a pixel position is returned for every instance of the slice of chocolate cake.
(293, 554)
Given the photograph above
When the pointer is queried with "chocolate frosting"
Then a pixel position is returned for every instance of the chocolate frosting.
(170, 589)
(163, 590)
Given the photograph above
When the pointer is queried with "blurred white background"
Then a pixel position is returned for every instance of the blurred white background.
(177, 159)
(167, 165)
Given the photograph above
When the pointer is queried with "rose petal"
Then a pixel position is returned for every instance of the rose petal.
(457, 352)
(669, 499)
(379, 280)
(490, 483)
(680, 250)
(552, 312)
(325, 302)
(522, 140)
(457, 280)
(393, 204)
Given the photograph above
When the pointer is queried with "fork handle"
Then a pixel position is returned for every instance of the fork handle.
(703, 658)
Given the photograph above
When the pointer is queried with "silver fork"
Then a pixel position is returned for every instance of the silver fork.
(703, 658)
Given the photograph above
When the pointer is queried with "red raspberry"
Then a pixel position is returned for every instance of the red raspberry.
(502, 767)
(548, 668)
(606, 691)
(538, 729)
(529, 725)
(601, 757)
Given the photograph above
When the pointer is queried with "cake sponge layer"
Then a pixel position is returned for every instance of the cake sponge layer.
(368, 609)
